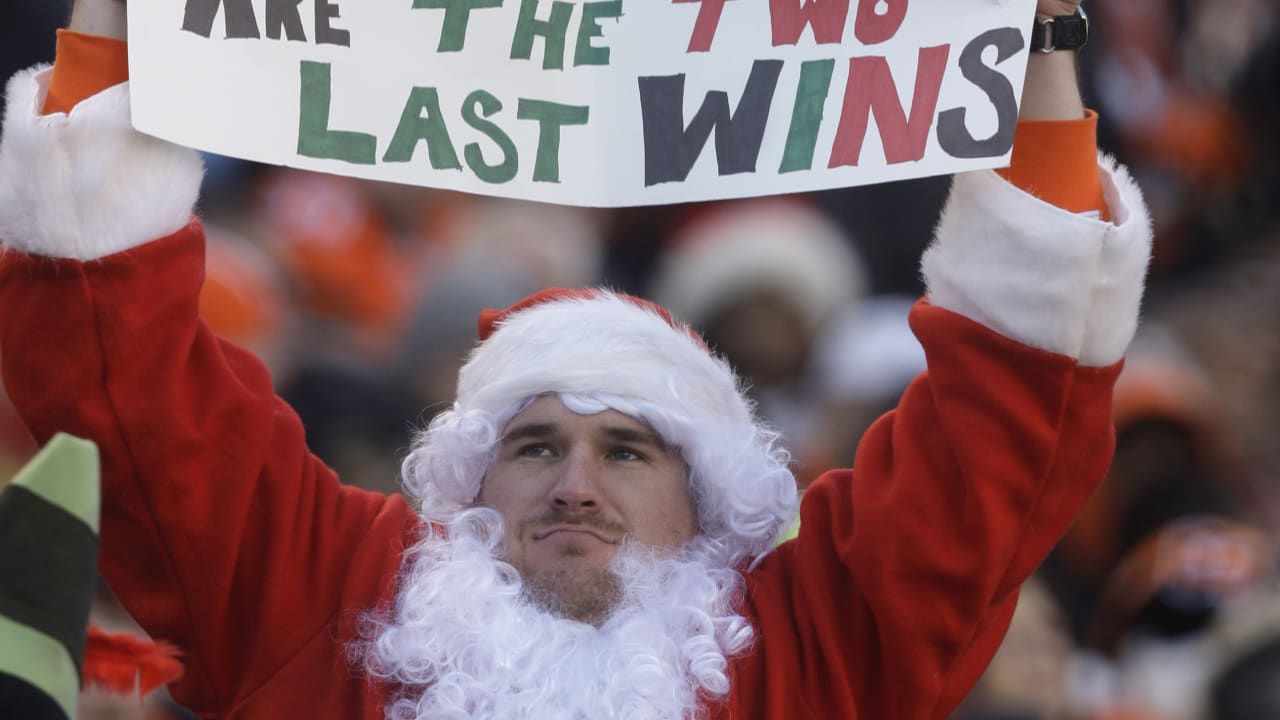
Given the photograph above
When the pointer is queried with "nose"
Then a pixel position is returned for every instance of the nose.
(577, 487)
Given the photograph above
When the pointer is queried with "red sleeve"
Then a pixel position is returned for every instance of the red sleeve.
(85, 66)
(902, 581)
(1057, 161)
(220, 532)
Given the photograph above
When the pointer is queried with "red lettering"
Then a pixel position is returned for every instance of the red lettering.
(827, 17)
(704, 28)
(871, 89)
(871, 27)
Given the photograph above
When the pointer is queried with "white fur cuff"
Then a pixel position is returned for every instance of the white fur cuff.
(85, 185)
(1066, 283)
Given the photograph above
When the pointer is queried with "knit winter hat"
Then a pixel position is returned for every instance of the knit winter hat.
(601, 349)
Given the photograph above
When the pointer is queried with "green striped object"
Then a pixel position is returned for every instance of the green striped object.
(48, 555)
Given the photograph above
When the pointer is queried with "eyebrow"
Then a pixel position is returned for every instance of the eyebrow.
(633, 435)
(530, 430)
(614, 432)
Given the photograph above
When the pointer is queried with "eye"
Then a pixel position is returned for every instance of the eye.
(624, 453)
(534, 450)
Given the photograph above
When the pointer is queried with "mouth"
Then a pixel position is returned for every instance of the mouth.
(573, 530)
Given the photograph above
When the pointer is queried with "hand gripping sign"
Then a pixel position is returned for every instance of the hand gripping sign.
(603, 102)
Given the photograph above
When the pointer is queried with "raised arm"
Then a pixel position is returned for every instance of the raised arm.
(1052, 89)
(105, 18)
(906, 570)
(220, 532)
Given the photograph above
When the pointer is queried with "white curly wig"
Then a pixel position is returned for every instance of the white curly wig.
(599, 349)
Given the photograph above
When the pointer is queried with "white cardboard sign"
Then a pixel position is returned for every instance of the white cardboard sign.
(605, 102)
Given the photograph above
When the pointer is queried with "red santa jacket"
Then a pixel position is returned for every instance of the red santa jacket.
(226, 536)
(221, 533)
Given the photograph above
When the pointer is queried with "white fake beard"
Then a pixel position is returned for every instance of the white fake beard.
(466, 641)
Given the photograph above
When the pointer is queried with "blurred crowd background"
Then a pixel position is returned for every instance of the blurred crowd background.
(1161, 603)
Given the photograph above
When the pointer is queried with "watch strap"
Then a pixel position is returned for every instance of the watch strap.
(1065, 32)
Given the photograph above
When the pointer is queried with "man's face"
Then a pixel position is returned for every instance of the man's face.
(570, 488)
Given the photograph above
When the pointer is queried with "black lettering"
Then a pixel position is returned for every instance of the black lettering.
(671, 148)
(284, 14)
(326, 33)
(953, 134)
(237, 15)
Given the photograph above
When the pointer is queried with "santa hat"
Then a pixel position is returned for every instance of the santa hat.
(780, 244)
(597, 348)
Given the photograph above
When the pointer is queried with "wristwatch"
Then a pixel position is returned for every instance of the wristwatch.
(1065, 32)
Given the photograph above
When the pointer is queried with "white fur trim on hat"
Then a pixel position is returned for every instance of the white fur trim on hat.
(1066, 283)
(610, 350)
(85, 184)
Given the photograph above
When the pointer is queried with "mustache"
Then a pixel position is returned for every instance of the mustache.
(554, 518)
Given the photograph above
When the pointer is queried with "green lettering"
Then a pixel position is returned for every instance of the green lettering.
(415, 126)
(315, 139)
(806, 117)
(551, 117)
(552, 30)
(586, 53)
(478, 106)
(457, 13)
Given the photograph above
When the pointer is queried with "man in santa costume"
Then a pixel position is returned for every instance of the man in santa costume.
(596, 512)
